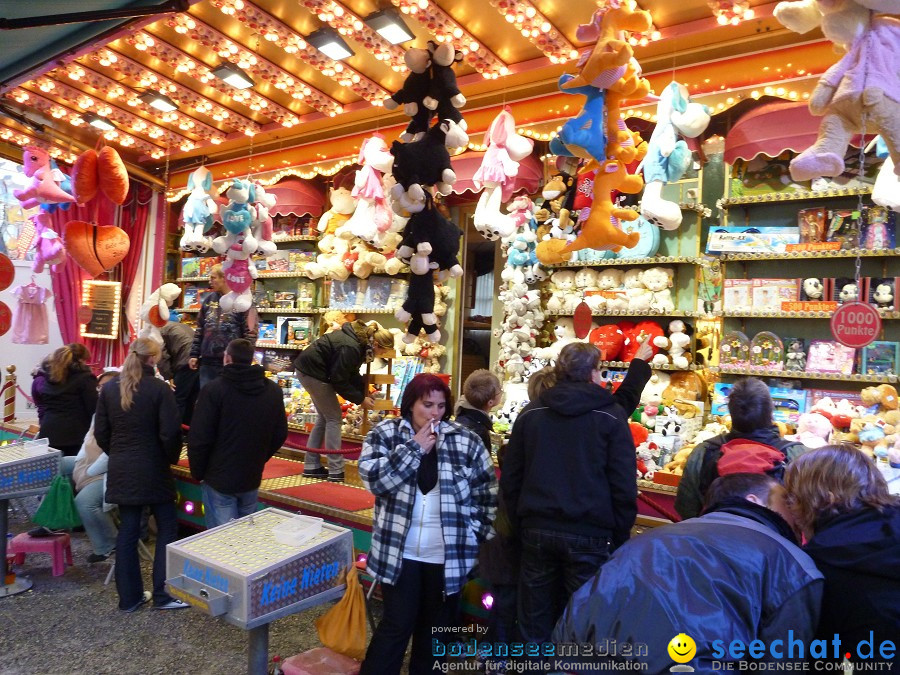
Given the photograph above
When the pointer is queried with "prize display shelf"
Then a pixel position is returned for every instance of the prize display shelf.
(780, 209)
(805, 374)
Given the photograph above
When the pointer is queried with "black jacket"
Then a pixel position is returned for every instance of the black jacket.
(336, 358)
(65, 408)
(859, 554)
(178, 339)
(215, 329)
(700, 469)
(570, 464)
(238, 424)
(734, 573)
(141, 442)
(476, 420)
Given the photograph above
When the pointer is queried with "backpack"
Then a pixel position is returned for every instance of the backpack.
(741, 455)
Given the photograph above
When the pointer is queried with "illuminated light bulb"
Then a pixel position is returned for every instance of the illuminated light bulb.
(655, 35)
(722, 20)
(780, 91)
(510, 18)
(749, 14)
(729, 100)
(754, 94)
(769, 91)
(792, 95)
(474, 46)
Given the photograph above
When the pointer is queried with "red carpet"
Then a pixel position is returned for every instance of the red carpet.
(331, 494)
(275, 468)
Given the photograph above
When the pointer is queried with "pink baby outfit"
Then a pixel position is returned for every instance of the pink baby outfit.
(30, 324)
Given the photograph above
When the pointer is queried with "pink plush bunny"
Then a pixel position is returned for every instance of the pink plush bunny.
(49, 248)
(43, 188)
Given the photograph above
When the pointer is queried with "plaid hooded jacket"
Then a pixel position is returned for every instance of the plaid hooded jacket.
(467, 483)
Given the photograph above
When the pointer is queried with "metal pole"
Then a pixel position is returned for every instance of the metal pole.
(258, 657)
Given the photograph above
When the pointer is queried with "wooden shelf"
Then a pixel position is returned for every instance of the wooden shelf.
(358, 310)
(797, 196)
(262, 344)
(281, 275)
(184, 280)
(655, 260)
(816, 255)
(286, 311)
(627, 313)
(885, 314)
(668, 366)
(297, 237)
(187, 310)
(803, 374)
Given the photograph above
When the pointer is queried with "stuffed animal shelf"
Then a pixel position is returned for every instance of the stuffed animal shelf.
(198, 212)
(864, 86)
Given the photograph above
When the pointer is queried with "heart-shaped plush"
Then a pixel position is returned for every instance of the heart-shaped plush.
(155, 318)
(609, 340)
(112, 175)
(95, 248)
(84, 176)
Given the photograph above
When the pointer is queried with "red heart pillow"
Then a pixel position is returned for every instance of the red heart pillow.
(609, 340)
(96, 248)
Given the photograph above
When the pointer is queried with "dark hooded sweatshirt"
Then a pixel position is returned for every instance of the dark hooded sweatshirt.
(570, 465)
(336, 358)
(238, 424)
(859, 555)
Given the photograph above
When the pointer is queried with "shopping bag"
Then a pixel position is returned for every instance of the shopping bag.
(343, 627)
(57, 511)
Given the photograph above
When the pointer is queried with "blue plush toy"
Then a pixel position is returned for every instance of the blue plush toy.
(583, 135)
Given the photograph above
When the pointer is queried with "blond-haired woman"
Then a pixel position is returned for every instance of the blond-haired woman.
(65, 393)
(330, 367)
(138, 426)
(851, 522)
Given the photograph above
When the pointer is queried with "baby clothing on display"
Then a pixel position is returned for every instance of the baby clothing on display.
(30, 324)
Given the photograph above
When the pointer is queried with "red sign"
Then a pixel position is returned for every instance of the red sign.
(7, 272)
(5, 318)
(855, 324)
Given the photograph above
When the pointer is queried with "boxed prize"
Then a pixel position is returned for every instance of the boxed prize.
(878, 228)
(845, 289)
(190, 267)
(788, 404)
(740, 239)
(882, 292)
(811, 223)
(737, 295)
(266, 331)
(768, 294)
(843, 227)
(378, 292)
(828, 356)
(880, 358)
(343, 294)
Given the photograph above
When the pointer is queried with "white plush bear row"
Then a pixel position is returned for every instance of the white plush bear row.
(523, 318)
(611, 289)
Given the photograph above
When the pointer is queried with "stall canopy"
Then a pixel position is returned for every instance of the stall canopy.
(771, 129)
(529, 178)
(297, 197)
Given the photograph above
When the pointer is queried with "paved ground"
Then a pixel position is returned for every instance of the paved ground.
(71, 625)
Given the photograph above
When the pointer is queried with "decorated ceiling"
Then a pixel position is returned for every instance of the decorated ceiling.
(304, 107)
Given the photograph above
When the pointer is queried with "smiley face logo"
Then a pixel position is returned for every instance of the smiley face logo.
(682, 648)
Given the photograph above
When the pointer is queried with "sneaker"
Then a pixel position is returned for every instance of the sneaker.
(321, 473)
(97, 557)
(172, 604)
(336, 477)
(145, 598)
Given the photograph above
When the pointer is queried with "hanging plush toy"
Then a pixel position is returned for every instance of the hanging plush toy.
(372, 214)
(444, 96)
(423, 163)
(600, 230)
(499, 167)
(44, 188)
(199, 211)
(886, 191)
(48, 247)
(237, 217)
(239, 274)
(155, 312)
(863, 85)
(668, 157)
(263, 228)
(411, 96)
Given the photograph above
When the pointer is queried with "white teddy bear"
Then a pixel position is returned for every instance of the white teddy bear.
(677, 345)
(658, 280)
(639, 296)
(565, 334)
(563, 287)
(586, 280)
(610, 282)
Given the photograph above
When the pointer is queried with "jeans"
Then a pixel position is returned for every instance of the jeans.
(187, 386)
(553, 566)
(412, 607)
(209, 371)
(129, 582)
(220, 508)
(327, 427)
(98, 524)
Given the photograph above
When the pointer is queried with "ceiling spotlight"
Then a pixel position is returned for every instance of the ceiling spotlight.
(159, 101)
(99, 122)
(230, 73)
(330, 44)
(389, 25)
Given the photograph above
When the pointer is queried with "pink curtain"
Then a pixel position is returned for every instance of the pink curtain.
(132, 217)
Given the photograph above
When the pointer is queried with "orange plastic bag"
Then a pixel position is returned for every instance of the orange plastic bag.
(343, 627)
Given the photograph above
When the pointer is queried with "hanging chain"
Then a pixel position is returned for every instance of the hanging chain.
(859, 202)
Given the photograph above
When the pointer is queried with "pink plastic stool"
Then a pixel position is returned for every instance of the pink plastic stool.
(320, 661)
(59, 546)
